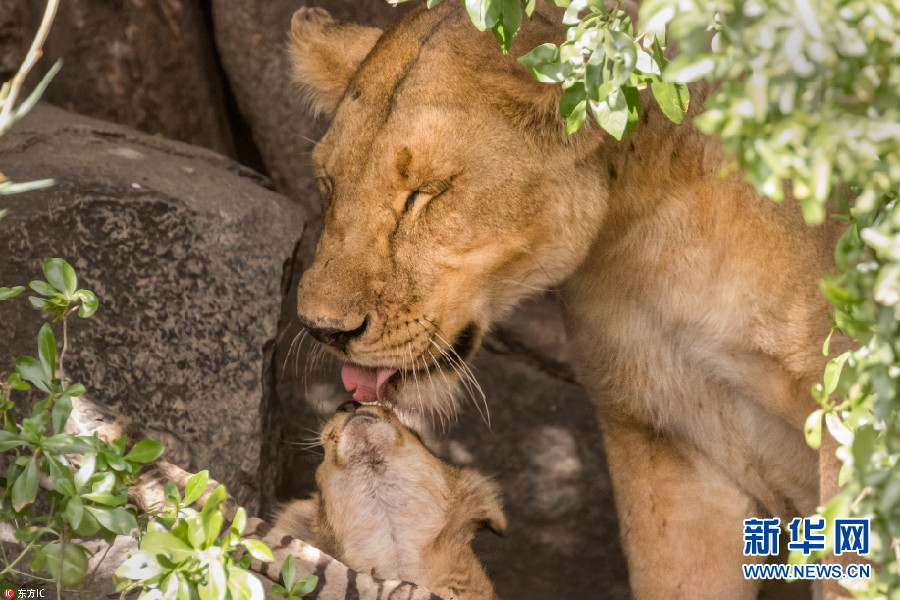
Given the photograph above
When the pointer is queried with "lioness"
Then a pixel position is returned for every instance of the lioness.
(389, 507)
(451, 191)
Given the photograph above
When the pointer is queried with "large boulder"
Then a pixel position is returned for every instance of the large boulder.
(185, 250)
(149, 65)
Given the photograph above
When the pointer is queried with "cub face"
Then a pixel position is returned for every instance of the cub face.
(387, 506)
(448, 190)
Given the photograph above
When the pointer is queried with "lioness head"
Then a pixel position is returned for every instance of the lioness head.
(449, 193)
(388, 506)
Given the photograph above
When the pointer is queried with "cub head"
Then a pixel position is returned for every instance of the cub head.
(449, 193)
(387, 505)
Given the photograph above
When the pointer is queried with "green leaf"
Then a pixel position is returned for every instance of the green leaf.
(89, 303)
(258, 550)
(288, 571)
(483, 13)
(833, 372)
(69, 278)
(9, 440)
(170, 491)
(621, 49)
(239, 522)
(213, 503)
(508, 23)
(864, 440)
(35, 94)
(67, 443)
(60, 477)
(812, 430)
(245, 585)
(166, 544)
(305, 586)
(25, 487)
(76, 389)
(42, 287)
(53, 273)
(217, 586)
(145, 451)
(686, 69)
(61, 411)
(571, 97)
(74, 563)
(543, 63)
(88, 463)
(213, 526)
(88, 526)
(74, 511)
(838, 429)
(672, 99)
(31, 369)
(612, 113)
(105, 498)
(195, 487)
(576, 118)
(117, 520)
(10, 292)
(633, 115)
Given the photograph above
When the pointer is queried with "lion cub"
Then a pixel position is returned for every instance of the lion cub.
(389, 507)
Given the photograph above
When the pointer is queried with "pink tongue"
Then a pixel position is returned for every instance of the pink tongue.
(366, 383)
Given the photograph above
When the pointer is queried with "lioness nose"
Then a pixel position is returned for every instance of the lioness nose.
(333, 336)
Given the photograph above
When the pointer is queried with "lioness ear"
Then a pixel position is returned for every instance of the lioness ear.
(325, 54)
(486, 508)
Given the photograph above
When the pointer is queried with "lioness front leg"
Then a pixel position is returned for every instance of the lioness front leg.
(681, 520)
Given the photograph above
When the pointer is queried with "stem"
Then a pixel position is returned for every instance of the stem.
(62, 551)
(10, 566)
(62, 353)
(30, 59)
(99, 562)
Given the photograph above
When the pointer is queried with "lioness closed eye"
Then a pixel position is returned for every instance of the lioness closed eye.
(388, 506)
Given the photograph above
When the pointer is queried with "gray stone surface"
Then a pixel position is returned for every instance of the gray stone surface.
(185, 250)
(251, 38)
(150, 65)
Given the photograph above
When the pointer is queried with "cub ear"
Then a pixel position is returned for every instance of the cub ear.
(325, 54)
(298, 518)
(485, 500)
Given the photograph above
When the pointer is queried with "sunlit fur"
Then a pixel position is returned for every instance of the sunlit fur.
(693, 304)
(389, 507)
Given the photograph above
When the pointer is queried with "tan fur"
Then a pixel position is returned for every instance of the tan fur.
(694, 307)
(389, 507)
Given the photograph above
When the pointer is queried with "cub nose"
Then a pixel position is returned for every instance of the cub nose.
(336, 337)
(349, 406)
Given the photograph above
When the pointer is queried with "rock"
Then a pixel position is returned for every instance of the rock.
(252, 39)
(185, 250)
(149, 65)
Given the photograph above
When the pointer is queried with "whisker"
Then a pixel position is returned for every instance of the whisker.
(530, 287)
(470, 376)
